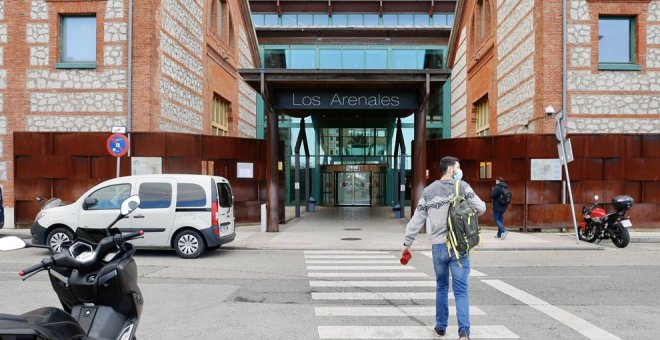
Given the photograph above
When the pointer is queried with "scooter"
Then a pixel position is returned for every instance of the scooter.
(599, 224)
(95, 279)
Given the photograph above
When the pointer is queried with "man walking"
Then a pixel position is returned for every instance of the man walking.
(434, 204)
(501, 196)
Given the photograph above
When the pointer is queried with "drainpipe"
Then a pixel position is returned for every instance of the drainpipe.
(564, 60)
(129, 128)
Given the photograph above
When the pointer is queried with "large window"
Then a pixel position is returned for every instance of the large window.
(155, 195)
(483, 118)
(110, 197)
(220, 117)
(190, 195)
(616, 43)
(78, 42)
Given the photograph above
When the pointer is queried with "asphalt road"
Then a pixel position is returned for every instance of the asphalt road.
(240, 294)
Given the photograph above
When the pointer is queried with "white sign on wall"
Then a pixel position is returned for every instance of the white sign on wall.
(546, 170)
(244, 170)
(146, 165)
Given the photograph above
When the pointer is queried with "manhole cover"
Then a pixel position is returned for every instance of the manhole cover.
(351, 239)
(352, 228)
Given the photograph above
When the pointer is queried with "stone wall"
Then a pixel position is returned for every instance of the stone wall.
(459, 88)
(182, 71)
(247, 97)
(602, 101)
(515, 72)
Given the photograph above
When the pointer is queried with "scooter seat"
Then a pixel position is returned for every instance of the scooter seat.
(47, 322)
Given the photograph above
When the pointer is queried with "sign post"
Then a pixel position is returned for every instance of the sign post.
(117, 145)
(565, 158)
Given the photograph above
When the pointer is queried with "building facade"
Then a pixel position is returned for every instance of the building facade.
(506, 61)
(353, 150)
(67, 66)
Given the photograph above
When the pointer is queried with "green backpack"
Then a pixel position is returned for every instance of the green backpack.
(462, 225)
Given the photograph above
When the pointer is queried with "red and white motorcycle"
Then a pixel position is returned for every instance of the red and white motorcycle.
(599, 224)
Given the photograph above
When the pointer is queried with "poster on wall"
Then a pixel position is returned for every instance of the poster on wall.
(546, 169)
(244, 170)
(146, 165)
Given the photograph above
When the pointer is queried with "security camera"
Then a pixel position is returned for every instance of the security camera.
(550, 110)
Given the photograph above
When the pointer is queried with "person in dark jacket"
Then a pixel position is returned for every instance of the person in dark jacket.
(499, 207)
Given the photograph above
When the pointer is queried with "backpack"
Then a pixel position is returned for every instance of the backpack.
(505, 197)
(462, 226)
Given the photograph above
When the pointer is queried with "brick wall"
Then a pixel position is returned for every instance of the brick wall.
(613, 101)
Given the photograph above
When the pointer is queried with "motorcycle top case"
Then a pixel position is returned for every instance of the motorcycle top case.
(622, 202)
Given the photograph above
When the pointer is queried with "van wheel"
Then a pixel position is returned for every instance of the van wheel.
(57, 237)
(189, 244)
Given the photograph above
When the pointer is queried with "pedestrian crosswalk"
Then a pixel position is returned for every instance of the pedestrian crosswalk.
(369, 295)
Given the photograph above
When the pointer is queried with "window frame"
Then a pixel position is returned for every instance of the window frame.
(482, 118)
(626, 66)
(60, 64)
(219, 117)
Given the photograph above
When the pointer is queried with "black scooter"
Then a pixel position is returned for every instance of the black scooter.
(95, 279)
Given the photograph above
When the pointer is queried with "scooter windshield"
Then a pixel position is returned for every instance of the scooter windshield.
(92, 235)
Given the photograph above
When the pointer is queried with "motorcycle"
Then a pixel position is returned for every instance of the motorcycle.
(599, 224)
(95, 279)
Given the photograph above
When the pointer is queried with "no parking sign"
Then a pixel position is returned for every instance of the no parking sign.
(117, 145)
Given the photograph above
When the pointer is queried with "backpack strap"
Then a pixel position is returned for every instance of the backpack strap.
(457, 188)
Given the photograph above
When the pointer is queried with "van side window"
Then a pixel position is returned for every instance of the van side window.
(225, 195)
(110, 197)
(190, 195)
(155, 195)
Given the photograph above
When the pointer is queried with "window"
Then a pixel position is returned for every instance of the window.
(330, 59)
(225, 196)
(155, 195)
(483, 118)
(190, 195)
(271, 19)
(78, 42)
(302, 59)
(404, 59)
(486, 170)
(220, 117)
(110, 197)
(616, 43)
(221, 21)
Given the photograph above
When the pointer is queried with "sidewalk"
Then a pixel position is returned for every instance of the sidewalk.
(375, 229)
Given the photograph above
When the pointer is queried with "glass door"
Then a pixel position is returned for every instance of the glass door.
(328, 189)
(353, 188)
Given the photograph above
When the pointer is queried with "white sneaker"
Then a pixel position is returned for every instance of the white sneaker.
(504, 235)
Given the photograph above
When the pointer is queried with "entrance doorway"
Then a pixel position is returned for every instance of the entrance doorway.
(353, 188)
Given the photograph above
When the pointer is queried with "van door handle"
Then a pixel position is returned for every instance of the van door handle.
(138, 216)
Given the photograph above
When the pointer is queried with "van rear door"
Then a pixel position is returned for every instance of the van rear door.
(155, 215)
(225, 209)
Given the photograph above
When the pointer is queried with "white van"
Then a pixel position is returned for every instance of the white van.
(190, 213)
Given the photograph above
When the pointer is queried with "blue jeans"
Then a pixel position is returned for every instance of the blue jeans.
(443, 263)
(498, 217)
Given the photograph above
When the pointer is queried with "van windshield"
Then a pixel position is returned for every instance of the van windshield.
(224, 195)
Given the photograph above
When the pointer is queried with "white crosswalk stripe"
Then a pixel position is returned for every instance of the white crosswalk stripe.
(399, 267)
(387, 311)
(367, 284)
(410, 332)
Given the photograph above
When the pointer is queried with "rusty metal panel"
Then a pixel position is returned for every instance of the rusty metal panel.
(651, 146)
(244, 190)
(43, 166)
(183, 165)
(183, 145)
(69, 190)
(33, 143)
(645, 215)
(642, 169)
(25, 212)
(511, 169)
(146, 144)
(651, 192)
(551, 216)
(28, 189)
(543, 192)
(586, 169)
(80, 143)
(512, 146)
(542, 146)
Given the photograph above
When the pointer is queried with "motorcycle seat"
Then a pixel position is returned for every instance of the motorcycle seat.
(47, 322)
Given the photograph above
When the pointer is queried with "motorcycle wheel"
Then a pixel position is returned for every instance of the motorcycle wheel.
(588, 234)
(621, 238)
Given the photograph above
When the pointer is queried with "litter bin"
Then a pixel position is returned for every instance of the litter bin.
(311, 204)
(397, 211)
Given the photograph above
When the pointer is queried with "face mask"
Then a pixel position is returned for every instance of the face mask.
(458, 174)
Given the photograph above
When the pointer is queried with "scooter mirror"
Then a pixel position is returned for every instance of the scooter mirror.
(596, 198)
(11, 243)
(129, 205)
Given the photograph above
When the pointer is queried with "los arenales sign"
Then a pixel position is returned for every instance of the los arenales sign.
(342, 100)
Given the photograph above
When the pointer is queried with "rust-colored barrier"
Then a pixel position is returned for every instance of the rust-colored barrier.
(65, 165)
(604, 165)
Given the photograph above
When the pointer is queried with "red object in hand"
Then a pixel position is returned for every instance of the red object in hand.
(405, 258)
(21, 273)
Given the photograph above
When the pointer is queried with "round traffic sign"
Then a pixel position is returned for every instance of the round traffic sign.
(117, 145)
